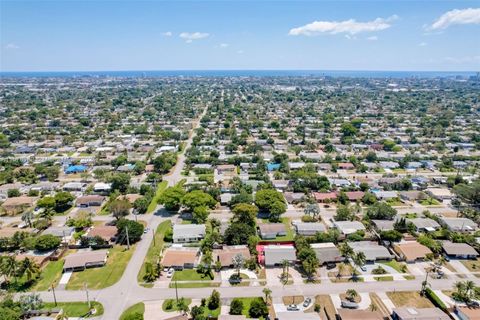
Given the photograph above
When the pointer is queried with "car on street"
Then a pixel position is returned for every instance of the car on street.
(307, 302)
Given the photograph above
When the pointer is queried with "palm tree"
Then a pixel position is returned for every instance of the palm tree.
(346, 250)
(469, 289)
(27, 217)
(359, 259)
(268, 294)
(182, 306)
(29, 268)
(285, 265)
(373, 307)
(351, 294)
(341, 269)
(9, 267)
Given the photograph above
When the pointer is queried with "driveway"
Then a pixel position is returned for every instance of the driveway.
(458, 265)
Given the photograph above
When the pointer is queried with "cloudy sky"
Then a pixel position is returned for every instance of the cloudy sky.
(239, 34)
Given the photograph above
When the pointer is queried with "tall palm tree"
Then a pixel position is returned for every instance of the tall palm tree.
(29, 268)
(62, 316)
(182, 306)
(27, 217)
(268, 293)
(9, 267)
(469, 289)
(346, 250)
(359, 259)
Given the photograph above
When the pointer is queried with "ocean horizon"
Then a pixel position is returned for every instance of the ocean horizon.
(238, 73)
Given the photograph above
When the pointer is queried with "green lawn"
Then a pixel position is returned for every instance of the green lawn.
(51, 273)
(246, 305)
(136, 308)
(76, 309)
(204, 284)
(385, 278)
(190, 275)
(154, 249)
(398, 266)
(160, 188)
(169, 305)
(102, 277)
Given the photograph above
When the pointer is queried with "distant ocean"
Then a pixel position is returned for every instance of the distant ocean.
(242, 73)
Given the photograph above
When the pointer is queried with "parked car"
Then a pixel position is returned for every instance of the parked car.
(331, 265)
(349, 304)
(363, 268)
(307, 302)
(170, 272)
(292, 307)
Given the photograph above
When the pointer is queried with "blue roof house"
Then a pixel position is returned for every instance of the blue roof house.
(76, 169)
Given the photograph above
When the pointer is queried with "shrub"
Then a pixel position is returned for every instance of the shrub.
(236, 307)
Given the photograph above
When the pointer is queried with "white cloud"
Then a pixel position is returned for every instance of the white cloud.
(190, 36)
(167, 34)
(456, 16)
(422, 44)
(12, 46)
(223, 45)
(372, 38)
(350, 26)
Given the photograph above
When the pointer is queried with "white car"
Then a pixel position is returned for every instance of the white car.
(170, 272)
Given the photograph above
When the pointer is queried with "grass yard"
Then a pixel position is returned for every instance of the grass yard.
(202, 284)
(51, 273)
(411, 277)
(76, 309)
(190, 275)
(409, 299)
(170, 305)
(154, 250)
(136, 308)
(345, 275)
(246, 305)
(99, 278)
(160, 188)
(398, 266)
(384, 278)
(472, 265)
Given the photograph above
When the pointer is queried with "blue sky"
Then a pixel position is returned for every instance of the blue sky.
(170, 35)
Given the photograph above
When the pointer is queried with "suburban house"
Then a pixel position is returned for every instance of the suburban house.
(226, 169)
(309, 228)
(412, 313)
(383, 225)
(271, 230)
(275, 254)
(107, 233)
(293, 197)
(18, 204)
(101, 187)
(459, 224)
(226, 254)
(188, 232)
(385, 195)
(411, 251)
(412, 195)
(74, 186)
(439, 193)
(325, 197)
(348, 227)
(327, 252)
(85, 259)
(372, 250)
(63, 233)
(424, 224)
(354, 195)
(90, 201)
(180, 258)
(459, 250)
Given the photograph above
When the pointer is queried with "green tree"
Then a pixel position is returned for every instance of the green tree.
(119, 208)
(120, 181)
(47, 242)
(63, 201)
(135, 230)
(381, 211)
(236, 306)
(198, 198)
(245, 213)
(141, 205)
(258, 308)
(214, 300)
(200, 214)
(172, 197)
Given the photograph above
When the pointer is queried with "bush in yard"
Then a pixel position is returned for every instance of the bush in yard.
(236, 307)
(258, 308)
(172, 197)
(47, 242)
(214, 301)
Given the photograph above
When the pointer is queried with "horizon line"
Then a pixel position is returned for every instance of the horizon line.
(210, 70)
